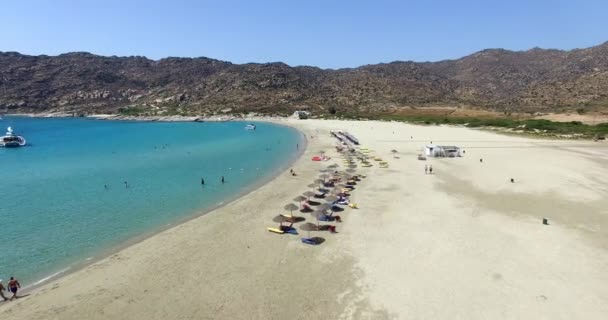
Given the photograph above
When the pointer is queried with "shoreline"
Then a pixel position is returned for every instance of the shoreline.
(461, 243)
(174, 118)
(114, 249)
(537, 134)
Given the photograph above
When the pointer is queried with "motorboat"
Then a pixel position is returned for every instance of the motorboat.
(11, 140)
(250, 127)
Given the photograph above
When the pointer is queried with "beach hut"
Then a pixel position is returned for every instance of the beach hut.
(433, 150)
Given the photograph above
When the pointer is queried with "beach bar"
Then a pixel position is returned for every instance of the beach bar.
(432, 150)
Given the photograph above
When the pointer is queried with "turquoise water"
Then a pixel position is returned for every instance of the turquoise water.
(56, 211)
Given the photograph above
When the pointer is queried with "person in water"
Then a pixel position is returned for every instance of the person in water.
(223, 179)
(13, 286)
(2, 288)
(202, 181)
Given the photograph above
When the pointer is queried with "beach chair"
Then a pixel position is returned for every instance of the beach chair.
(275, 230)
(310, 241)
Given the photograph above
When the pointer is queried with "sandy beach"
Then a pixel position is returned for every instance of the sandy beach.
(461, 243)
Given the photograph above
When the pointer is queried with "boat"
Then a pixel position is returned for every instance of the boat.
(250, 127)
(11, 140)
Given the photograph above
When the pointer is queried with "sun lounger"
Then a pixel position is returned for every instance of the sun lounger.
(290, 230)
(276, 230)
(309, 241)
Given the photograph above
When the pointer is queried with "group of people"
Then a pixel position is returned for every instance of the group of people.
(13, 287)
(428, 169)
(221, 180)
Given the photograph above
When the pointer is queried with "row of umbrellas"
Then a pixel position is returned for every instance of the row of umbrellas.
(322, 211)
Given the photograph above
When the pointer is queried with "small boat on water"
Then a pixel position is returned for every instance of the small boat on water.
(11, 140)
(250, 127)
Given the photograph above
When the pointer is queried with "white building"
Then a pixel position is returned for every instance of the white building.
(301, 114)
(432, 150)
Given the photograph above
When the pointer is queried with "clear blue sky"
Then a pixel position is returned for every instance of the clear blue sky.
(324, 33)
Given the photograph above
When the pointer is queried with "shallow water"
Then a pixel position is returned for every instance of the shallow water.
(64, 197)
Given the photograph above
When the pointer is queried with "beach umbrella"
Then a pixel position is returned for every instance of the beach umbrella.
(324, 207)
(324, 177)
(281, 219)
(351, 170)
(333, 166)
(308, 227)
(318, 214)
(319, 183)
(299, 198)
(291, 207)
(313, 186)
(308, 194)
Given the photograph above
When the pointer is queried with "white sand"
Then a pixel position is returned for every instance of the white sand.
(463, 243)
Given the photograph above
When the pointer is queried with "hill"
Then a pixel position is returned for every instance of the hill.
(494, 79)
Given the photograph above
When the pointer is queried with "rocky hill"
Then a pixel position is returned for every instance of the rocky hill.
(495, 79)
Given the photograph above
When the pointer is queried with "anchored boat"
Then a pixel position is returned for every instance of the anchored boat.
(11, 140)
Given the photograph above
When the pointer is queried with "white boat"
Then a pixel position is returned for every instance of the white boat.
(11, 140)
(250, 127)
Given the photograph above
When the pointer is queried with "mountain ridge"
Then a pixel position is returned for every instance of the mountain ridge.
(492, 79)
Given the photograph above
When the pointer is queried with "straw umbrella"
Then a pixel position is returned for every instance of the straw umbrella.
(324, 177)
(281, 219)
(291, 207)
(320, 186)
(299, 199)
(308, 227)
(318, 214)
(313, 186)
(308, 194)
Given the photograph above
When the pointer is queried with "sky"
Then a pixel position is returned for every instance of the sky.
(323, 33)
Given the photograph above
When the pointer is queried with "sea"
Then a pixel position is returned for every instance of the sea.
(82, 187)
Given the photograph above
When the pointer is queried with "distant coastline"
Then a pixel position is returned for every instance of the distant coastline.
(174, 118)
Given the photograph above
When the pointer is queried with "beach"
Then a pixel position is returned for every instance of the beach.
(462, 243)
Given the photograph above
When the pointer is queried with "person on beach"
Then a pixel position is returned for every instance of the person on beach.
(431, 169)
(13, 286)
(480, 160)
(2, 288)
(426, 169)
